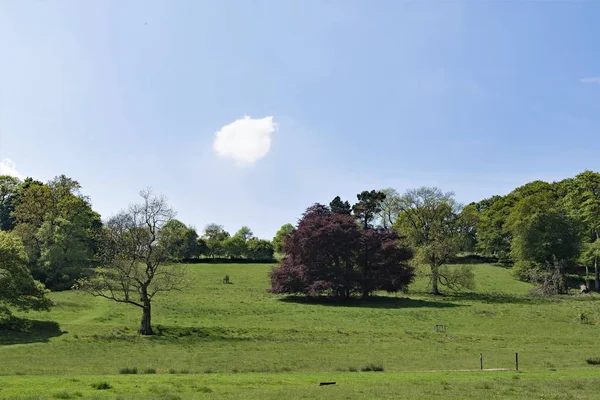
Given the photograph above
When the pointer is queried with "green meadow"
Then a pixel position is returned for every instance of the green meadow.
(238, 341)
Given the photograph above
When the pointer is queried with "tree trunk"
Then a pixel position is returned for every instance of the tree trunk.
(596, 274)
(146, 325)
(435, 277)
(588, 282)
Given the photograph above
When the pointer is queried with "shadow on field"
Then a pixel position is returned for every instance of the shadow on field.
(34, 332)
(495, 298)
(372, 302)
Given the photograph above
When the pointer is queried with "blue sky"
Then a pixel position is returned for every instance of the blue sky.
(474, 97)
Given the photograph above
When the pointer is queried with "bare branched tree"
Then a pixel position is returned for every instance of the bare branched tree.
(133, 255)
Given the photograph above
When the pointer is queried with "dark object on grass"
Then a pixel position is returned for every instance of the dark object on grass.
(584, 288)
(226, 280)
(326, 383)
(128, 371)
(593, 361)
(101, 385)
(372, 368)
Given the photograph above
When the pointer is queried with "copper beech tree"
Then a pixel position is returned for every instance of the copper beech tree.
(329, 253)
(134, 252)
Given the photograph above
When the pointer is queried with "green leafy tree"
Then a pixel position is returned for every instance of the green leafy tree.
(280, 237)
(493, 239)
(430, 222)
(469, 220)
(244, 233)
(390, 208)
(544, 236)
(235, 247)
(18, 289)
(59, 230)
(542, 231)
(591, 255)
(181, 241)
(368, 206)
(340, 207)
(583, 201)
(9, 187)
(215, 236)
(259, 249)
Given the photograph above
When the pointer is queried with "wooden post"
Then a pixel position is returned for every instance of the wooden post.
(517, 360)
(481, 361)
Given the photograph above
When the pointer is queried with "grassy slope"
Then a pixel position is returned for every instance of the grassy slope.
(240, 328)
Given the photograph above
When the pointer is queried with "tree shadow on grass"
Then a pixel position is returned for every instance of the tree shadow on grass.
(30, 332)
(497, 298)
(371, 302)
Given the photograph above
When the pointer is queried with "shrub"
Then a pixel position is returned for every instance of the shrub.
(172, 371)
(101, 385)
(522, 270)
(149, 371)
(372, 368)
(593, 361)
(130, 371)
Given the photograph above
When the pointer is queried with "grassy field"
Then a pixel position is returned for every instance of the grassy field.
(238, 340)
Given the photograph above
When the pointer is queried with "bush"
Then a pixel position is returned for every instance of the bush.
(593, 361)
(149, 371)
(523, 270)
(372, 368)
(126, 370)
(101, 385)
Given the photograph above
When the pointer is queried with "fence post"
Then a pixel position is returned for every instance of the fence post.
(517, 360)
(481, 361)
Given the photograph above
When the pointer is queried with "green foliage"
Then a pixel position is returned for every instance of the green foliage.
(523, 269)
(9, 187)
(430, 222)
(390, 208)
(128, 370)
(215, 237)
(542, 230)
(18, 289)
(244, 233)
(235, 247)
(340, 207)
(457, 278)
(59, 230)
(281, 235)
(259, 249)
(593, 361)
(369, 206)
(493, 239)
(180, 242)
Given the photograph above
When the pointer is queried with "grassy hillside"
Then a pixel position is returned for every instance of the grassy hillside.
(240, 328)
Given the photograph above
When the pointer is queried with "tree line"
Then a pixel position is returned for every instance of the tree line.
(544, 229)
(61, 233)
(51, 238)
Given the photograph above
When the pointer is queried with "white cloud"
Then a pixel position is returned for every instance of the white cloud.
(594, 79)
(245, 140)
(8, 167)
